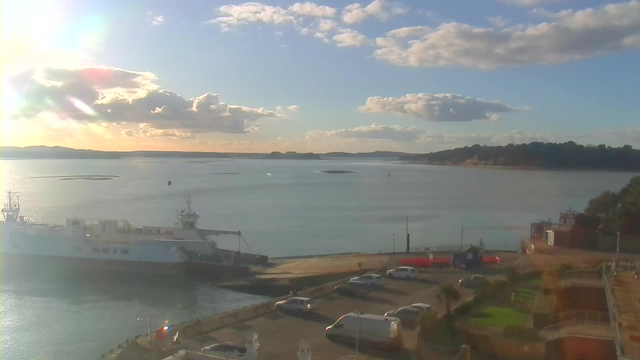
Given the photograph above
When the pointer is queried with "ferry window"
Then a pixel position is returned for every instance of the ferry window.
(78, 248)
(105, 250)
(97, 250)
(124, 251)
(115, 251)
(104, 226)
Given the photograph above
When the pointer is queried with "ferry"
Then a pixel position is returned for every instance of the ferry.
(107, 245)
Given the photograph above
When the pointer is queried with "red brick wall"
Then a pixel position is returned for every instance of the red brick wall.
(578, 348)
(581, 298)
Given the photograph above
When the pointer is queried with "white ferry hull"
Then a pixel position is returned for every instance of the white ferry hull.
(20, 263)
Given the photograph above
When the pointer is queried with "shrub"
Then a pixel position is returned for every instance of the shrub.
(464, 308)
(521, 333)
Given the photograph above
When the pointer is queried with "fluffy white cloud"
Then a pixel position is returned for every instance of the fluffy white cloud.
(306, 18)
(382, 9)
(373, 131)
(293, 108)
(413, 31)
(574, 35)
(437, 107)
(529, 2)
(154, 19)
(145, 130)
(312, 9)
(112, 95)
(325, 25)
(253, 12)
(349, 38)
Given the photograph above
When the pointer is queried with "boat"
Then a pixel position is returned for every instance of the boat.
(108, 245)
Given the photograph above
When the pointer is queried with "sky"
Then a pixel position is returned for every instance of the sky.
(415, 76)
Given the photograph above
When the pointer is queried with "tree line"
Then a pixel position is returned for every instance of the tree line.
(568, 155)
(618, 211)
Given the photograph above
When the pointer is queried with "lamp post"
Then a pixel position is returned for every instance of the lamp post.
(617, 248)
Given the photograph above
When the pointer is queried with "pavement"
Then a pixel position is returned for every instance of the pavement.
(280, 333)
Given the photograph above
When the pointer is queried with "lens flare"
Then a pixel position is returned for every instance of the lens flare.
(81, 106)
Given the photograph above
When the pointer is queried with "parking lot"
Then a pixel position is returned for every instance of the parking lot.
(280, 333)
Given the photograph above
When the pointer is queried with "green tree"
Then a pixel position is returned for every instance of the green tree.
(448, 294)
(512, 275)
(629, 212)
(618, 211)
(604, 205)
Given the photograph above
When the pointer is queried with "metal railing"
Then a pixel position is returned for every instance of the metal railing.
(579, 328)
(591, 317)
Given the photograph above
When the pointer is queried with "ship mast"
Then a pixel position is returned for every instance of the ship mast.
(188, 220)
(11, 210)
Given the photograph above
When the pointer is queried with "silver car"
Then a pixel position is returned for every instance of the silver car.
(227, 350)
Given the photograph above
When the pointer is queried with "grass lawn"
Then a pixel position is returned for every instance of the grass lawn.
(525, 295)
(500, 317)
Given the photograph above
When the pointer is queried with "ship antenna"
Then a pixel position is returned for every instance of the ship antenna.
(189, 203)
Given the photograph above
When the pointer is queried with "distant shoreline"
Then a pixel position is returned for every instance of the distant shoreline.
(537, 168)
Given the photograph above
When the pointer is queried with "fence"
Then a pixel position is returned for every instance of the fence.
(576, 327)
(590, 317)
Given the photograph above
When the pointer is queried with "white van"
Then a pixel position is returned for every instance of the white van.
(373, 329)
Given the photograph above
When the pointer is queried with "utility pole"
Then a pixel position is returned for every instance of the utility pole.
(617, 251)
(358, 335)
(462, 238)
(408, 237)
(394, 243)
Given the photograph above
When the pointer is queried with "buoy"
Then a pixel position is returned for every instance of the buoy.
(169, 182)
(389, 175)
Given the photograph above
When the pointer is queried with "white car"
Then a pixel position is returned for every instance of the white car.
(295, 304)
(370, 279)
(403, 272)
(425, 308)
(227, 350)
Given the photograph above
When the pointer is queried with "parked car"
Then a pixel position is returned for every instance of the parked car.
(368, 328)
(425, 308)
(295, 304)
(227, 350)
(353, 288)
(471, 281)
(403, 272)
(408, 315)
(370, 279)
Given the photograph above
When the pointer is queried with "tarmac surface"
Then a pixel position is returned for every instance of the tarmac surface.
(280, 333)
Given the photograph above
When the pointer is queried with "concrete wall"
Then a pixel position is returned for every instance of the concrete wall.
(628, 243)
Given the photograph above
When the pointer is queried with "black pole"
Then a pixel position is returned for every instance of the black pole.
(408, 238)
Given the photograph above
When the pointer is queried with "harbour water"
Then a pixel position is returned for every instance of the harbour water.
(283, 208)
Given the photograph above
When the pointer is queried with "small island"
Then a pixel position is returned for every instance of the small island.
(337, 171)
(292, 155)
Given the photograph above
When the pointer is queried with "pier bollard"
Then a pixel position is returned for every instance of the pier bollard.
(304, 350)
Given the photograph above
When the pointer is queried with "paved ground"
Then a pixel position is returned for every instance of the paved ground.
(279, 334)
(286, 268)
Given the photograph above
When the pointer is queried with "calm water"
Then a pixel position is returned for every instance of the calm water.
(283, 207)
